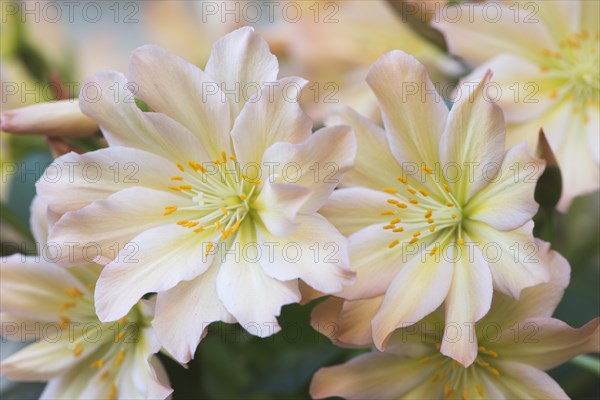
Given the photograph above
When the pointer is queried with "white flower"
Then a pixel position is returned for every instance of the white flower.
(518, 340)
(79, 356)
(188, 194)
(545, 57)
(428, 198)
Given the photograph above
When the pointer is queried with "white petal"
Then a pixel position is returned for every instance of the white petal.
(277, 206)
(413, 112)
(239, 63)
(97, 232)
(318, 163)
(468, 300)
(473, 140)
(375, 167)
(154, 261)
(38, 220)
(316, 253)
(173, 86)
(39, 361)
(124, 124)
(355, 208)
(250, 295)
(513, 256)
(507, 201)
(75, 180)
(191, 306)
(273, 116)
(418, 289)
(521, 381)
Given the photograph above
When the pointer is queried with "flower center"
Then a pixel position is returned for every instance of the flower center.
(457, 381)
(220, 193)
(412, 206)
(575, 66)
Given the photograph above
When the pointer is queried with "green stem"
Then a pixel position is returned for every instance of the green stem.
(588, 362)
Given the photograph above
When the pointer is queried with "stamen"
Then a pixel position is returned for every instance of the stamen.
(98, 363)
(400, 229)
(120, 358)
(395, 221)
(177, 178)
(393, 244)
(413, 201)
(411, 190)
(180, 167)
(209, 247)
(384, 213)
(73, 292)
(390, 190)
(401, 205)
(77, 350)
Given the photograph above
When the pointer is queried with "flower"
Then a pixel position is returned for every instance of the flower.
(546, 60)
(427, 201)
(203, 205)
(78, 356)
(60, 118)
(517, 339)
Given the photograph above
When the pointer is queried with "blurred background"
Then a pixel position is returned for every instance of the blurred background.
(46, 48)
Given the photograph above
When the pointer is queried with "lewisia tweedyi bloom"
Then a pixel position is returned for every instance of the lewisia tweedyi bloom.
(545, 56)
(79, 356)
(517, 341)
(428, 198)
(185, 193)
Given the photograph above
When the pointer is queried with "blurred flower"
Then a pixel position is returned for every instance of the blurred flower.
(517, 339)
(546, 61)
(78, 356)
(334, 42)
(197, 196)
(60, 118)
(427, 198)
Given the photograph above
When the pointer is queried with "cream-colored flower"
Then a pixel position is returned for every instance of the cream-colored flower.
(545, 57)
(517, 339)
(204, 205)
(79, 356)
(436, 210)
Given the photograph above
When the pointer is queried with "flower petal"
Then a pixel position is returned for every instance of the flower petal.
(250, 295)
(355, 208)
(413, 113)
(513, 256)
(507, 202)
(39, 361)
(38, 220)
(418, 289)
(318, 163)
(75, 180)
(315, 252)
(273, 116)
(184, 93)
(154, 261)
(191, 306)
(240, 62)
(375, 167)
(370, 376)
(521, 381)
(468, 300)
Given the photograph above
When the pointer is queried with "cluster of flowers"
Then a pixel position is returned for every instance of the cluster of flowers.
(438, 272)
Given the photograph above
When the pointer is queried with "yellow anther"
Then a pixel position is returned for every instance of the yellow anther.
(447, 387)
(193, 164)
(180, 167)
(451, 394)
(224, 156)
(256, 182)
(177, 178)
(430, 221)
(544, 68)
(217, 225)
(387, 213)
(413, 240)
(424, 193)
(428, 214)
(495, 372)
(198, 230)
(389, 227)
(120, 358)
(192, 224)
(98, 364)
(446, 187)
(170, 211)
(243, 196)
(411, 190)
(113, 392)
(390, 190)
(217, 161)
(224, 211)
(432, 229)
(232, 158)
(66, 305)
(427, 169)
(589, 102)
(77, 350)
(454, 216)
(185, 187)
(417, 234)
(209, 247)
(479, 388)
(120, 336)
(104, 375)
(433, 251)
(553, 94)
(402, 180)
(175, 188)
(393, 244)
(481, 348)
(182, 222)
(413, 201)
(64, 321)
(400, 229)
(425, 359)
(401, 205)
(73, 292)
(393, 201)
(493, 353)
(237, 225)
(122, 320)
(450, 204)
(461, 241)
(395, 221)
